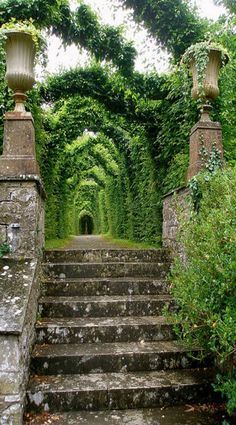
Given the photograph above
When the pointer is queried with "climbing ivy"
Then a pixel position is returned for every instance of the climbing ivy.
(81, 27)
(230, 4)
(174, 23)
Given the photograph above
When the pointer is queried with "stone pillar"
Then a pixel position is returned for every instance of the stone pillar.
(22, 226)
(21, 190)
(205, 133)
(19, 157)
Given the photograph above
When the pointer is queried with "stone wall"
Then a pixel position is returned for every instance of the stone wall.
(22, 215)
(171, 202)
(19, 290)
(22, 227)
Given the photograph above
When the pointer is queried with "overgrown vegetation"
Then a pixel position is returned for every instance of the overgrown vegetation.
(111, 142)
(4, 248)
(174, 23)
(204, 286)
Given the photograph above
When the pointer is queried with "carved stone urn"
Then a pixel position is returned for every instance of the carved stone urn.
(210, 89)
(20, 56)
(204, 61)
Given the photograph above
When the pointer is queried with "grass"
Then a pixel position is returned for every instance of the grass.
(58, 243)
(126, 243)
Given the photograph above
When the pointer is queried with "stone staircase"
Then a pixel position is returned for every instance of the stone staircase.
(102, 343)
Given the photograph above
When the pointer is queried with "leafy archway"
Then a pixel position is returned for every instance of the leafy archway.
(86, 226)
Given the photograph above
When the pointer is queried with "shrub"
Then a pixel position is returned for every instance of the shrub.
(4, 248)
(204, 286)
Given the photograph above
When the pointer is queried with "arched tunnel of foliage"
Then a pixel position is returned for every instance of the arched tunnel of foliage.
(81, 27)
(107, 172)
(86, 225)
(141, 121)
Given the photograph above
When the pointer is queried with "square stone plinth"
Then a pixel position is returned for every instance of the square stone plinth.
(205, 134)
(22, 215)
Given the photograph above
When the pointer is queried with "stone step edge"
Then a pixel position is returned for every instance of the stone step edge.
(127, 279)
(103, 329)
(89, 321)
(146, 416)
(111, 348)
(106, 263)
(104, 298)
(120, 381)
(107, 391)
(93, 382)
(162, 252)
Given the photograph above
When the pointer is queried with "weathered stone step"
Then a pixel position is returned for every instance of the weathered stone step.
(106, 306)
(118, 390)
(111, 357)
(100, 329)
(106, 255)
(102, 270)
(177, 415)
(107, 286)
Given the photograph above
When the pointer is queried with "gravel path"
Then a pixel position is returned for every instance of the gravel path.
(91, 242)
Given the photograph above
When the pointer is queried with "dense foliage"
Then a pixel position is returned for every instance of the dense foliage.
(81, 27)
(230, 4)
(111, 160)
(111, 142)
(173, 22)
(147, 117)
(204, 286)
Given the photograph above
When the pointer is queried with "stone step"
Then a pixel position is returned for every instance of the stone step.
(106, 255)
(103, 270)
(120, 357)
(118, 390)
(103, 329)
(182, 415)
(95, 286)
(106, 306)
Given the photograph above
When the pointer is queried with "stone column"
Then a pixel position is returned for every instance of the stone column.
(204, 134)
(21, 190)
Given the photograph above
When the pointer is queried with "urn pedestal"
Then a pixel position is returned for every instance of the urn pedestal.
(19, 156)
(204, 134)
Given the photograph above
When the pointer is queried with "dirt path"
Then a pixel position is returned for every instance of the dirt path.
(91, 242)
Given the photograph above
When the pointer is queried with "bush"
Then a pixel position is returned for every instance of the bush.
(204, 286)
